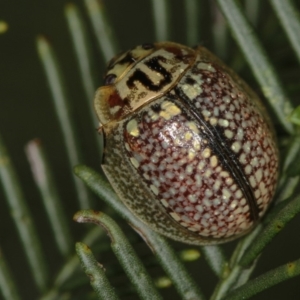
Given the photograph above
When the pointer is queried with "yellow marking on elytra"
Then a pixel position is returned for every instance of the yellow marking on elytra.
(154, 116)
(175, 216)
(224, 174)
(228, 133)
(213, 121)
(206, 153)
(192, 126)
(132, 128)
(201, 165)
(206, 67)
(236, 146)
(213, 161)
(169, 110)
(191, 154)
(196, 145)
(134, 162)
(217, 185)
(238, 194)
(146, 176)
(258, 175)
(154, 189)
(127, 147)
(164, 202)
(223, 122)
(192, 91)
(188, 136)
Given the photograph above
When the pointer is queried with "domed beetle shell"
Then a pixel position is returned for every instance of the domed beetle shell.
(188, 145)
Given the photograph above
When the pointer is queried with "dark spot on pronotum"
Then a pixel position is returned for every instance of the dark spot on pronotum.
(148, 46)
(190, 81)
(156, 108)
(143, 78)
(110, 79)
(127, 59)
(126, 101)
(112, 62)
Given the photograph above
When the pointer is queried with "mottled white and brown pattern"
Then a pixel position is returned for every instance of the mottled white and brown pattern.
(196, 157)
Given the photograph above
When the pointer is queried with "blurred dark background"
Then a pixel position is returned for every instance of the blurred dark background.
(26, 112)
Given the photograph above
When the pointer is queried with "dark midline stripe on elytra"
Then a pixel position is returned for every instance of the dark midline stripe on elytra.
(143, 78)
(228, 158)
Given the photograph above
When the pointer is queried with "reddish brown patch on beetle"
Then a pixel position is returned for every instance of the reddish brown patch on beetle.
(115, 100)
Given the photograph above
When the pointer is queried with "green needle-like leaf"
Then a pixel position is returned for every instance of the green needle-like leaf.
(102, 29)
(193, 16)
(291, 153)
(69, 268)
(289, 17)
(85, 61)
(215, 258)
(161, 20)
(258, 61)
(220, 33)
(95, 272)
(62, 107)
(176, 271)
(233, 272)
(82, 47)
(265, 281)
(252, 8)
(22, 218)
(44, 180)
(294, 168)
(278, 222)
(287, 185)
(123, 251)
(295, 116)
(8, 288)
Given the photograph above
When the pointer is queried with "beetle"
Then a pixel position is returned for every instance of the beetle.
(189, 147)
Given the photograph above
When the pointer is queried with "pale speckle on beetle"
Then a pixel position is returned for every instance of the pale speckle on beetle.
(189, 148)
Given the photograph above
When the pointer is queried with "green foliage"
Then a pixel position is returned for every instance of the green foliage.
(246, 21)
(295, 116)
